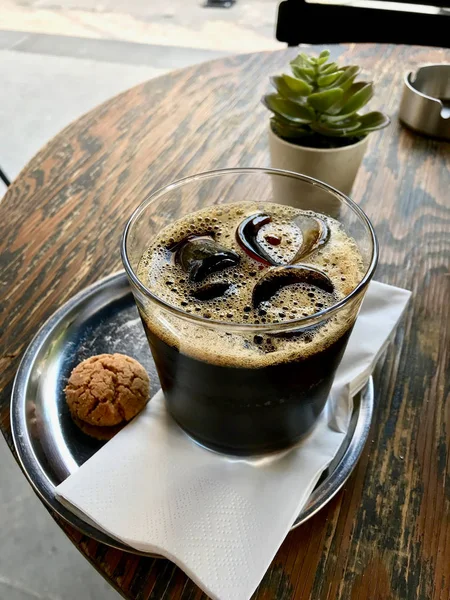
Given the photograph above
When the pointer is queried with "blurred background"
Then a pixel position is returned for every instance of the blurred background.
(58, 59)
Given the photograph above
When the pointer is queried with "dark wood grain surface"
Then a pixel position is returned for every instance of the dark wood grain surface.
(387, 534)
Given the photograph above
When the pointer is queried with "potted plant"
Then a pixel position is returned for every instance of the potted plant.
(316, 128)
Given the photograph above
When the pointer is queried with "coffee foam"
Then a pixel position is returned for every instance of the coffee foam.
(339, 258)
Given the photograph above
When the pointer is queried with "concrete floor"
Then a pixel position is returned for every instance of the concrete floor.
(48, 80)
(36, 559)
(247, 26)
(58, 59)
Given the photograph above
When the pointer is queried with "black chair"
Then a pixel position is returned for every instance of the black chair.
(301, 22)
(219, 3)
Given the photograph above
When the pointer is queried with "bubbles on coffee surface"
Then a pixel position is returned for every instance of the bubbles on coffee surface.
(252, 263)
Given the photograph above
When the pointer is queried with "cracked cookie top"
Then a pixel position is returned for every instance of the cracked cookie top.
(107, 389)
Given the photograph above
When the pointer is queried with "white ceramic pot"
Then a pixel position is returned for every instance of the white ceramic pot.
(336, 166)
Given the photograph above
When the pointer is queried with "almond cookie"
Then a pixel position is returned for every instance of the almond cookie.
(99, 433)
(107, 390)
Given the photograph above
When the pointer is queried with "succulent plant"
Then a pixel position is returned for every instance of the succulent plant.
(319, 104)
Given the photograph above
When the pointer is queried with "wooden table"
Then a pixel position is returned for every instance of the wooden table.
(387, 534)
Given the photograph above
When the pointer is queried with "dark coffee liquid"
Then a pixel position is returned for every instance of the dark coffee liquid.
(248, 392)
(246, 411)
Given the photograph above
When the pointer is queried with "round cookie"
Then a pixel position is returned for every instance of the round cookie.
(107, 390)
(99, 433)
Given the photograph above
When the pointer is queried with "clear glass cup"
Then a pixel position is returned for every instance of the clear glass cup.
(222, 399)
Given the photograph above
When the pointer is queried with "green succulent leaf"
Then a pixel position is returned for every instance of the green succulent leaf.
(287, 130)
(350, 124)
(298, 85)
(356, 100)
(337, 111)
(347, 77)
(300, 73)
(326, 80)
(303, 61)
(307, 59)
(328, 68)
(335, 131)
(290, 87)
(347, 84)
(373, 121)
(323, 57)
(322, 101)
(291, 111)
(305, 73)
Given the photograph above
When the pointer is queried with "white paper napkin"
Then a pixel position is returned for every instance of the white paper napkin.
(222, 519)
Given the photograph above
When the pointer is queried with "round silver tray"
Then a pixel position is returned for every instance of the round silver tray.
(103, 318)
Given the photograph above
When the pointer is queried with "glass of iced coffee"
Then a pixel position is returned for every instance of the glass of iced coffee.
(248, 282)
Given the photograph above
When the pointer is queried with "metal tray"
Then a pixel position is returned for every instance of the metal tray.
(103, 318)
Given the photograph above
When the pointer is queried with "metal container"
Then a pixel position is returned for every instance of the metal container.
(425, 105)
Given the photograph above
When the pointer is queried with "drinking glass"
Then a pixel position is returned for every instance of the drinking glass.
(224, 397)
